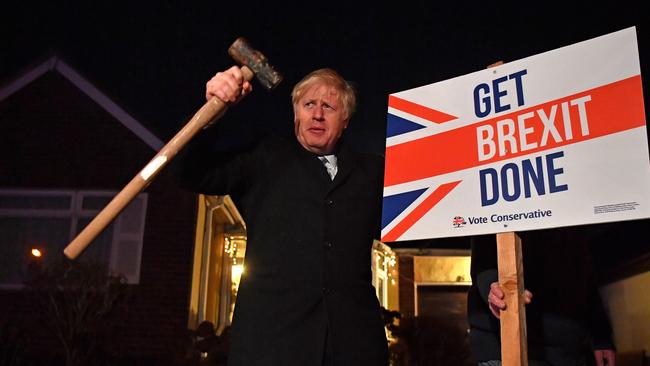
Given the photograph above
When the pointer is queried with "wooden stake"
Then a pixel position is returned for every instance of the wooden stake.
(514, 347)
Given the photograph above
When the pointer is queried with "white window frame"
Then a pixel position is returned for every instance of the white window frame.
(75, 212)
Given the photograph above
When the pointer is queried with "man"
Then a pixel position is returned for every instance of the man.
(566, 322)
(306, 297)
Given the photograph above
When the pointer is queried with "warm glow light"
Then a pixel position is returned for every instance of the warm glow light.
(36, 253)
(237, 270)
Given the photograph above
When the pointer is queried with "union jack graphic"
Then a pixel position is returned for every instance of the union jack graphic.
(403, 209)
(443, 158)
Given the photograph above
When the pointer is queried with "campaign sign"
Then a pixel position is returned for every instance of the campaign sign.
(555, 139)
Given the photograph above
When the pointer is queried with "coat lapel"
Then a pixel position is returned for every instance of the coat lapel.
(345, 164)
(314, 169)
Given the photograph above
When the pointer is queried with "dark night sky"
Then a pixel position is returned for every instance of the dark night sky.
(154, 60)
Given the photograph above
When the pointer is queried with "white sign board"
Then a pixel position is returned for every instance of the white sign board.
(555, 139)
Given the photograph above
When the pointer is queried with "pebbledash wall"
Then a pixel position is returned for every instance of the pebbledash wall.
(59, 132)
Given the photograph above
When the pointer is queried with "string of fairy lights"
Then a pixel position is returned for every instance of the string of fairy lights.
(231, 249)
(386, 261)
(235, 247)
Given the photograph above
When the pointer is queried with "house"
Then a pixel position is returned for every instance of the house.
(67, 149)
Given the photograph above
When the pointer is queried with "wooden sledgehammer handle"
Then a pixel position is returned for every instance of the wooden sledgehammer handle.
(254, 64)
(210, 110)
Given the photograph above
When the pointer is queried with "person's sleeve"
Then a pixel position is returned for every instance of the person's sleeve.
(601, 328)
(484, 268)
(378, 167)
(484, 272)
(204, 166)
(598, 319)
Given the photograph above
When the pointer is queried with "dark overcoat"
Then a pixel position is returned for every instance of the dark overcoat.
(308, 276)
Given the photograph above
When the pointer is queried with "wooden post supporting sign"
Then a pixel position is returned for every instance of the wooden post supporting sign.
(514, 347)
(514, 340)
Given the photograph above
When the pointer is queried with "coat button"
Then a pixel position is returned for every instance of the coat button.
(329, 201)
(328, 244)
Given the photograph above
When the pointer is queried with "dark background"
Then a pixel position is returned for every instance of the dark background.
(153, 58)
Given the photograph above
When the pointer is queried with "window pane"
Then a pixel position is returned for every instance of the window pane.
(128, 262)
(20, 235)
(132, 217)
(95, 202)
(24, 201)
(99, 249)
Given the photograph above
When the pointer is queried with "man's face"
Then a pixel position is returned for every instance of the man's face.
(320, 119)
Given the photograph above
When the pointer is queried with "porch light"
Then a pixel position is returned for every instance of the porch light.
(36, 253)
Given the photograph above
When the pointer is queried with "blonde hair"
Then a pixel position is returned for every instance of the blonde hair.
(329, 77)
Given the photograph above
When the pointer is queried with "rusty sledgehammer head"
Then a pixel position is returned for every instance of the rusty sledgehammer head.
(245, 55)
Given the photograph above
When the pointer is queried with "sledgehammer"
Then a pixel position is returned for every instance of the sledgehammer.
(253, 63)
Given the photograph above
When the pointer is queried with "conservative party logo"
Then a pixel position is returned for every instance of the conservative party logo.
(458, 221)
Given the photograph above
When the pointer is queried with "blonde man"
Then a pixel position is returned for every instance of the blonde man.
(312, 208)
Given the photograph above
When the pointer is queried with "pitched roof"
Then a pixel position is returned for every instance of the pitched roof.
(56, 64)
